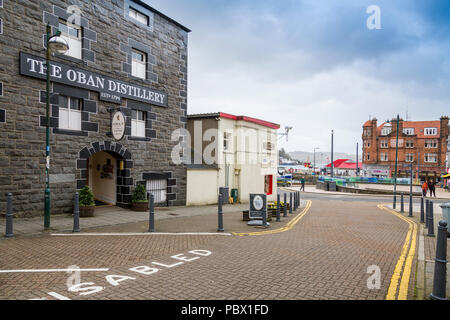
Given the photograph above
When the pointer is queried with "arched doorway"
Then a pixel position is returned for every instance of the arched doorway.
(105, 166)
(102, 177)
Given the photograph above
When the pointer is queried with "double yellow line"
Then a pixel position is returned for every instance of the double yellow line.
(287, 227)
(406, 260)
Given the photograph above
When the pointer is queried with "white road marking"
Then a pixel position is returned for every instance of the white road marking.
(52, 270)
(144, 234)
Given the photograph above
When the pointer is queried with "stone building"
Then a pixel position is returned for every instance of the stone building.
(420, 143)
(123, 56)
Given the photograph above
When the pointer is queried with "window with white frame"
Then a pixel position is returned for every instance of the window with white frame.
(72, 34)
(430, 157)
(138, 64)
(408, 131)
(138, 16)
(409, 144)
(137, 123)
(1, 26)
(158, 187)
(387, 129)
(409, 157)
(431, 144)
(227, 141)
(383, 156)
(69, 113)
(430, 131)
(367, 132)
(1, 3)
(384, 144)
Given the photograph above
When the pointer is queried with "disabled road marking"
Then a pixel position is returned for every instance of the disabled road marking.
(52, 270)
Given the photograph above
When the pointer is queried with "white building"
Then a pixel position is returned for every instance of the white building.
(236, 152)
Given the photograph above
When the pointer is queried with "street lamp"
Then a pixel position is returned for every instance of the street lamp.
(396, 160)
(332, 164)
(314, 166)
(57, 44)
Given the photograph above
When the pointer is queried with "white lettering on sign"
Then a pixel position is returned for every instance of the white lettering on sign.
(88, 288)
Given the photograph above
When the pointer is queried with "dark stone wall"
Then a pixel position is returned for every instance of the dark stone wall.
(106, 29)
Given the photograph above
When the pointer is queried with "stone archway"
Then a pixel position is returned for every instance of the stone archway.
(124, 181)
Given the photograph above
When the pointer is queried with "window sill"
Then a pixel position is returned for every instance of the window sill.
(139, 138)
(70, 132)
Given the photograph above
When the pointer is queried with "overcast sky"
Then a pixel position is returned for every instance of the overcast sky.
(315, 65)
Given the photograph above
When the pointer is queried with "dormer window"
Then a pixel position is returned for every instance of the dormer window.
(387, 129)
(430, 131)
(408, 131)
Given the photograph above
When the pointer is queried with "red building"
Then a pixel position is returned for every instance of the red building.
(421, 143)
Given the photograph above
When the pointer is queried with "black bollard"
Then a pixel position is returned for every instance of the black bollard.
(290, 202)
(422, 213)
(295, 201)
(9, 217)
(264, 219)
(76, 213)
(440, 264)
(431, 221)
(427, 212)
(402, 205)
(285, 205)
(278, 208)
(410, 205)
(299, 200)
(220, 214)
(151, 209)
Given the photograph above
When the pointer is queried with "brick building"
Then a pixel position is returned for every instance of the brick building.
(124, 56)
(422, 143)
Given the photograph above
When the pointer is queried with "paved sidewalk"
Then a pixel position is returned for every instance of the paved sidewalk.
(427, 251)
(110, 216)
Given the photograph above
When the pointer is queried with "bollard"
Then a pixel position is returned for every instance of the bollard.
(427, 212)
(290, 202)
(285, 206)
(440, 264)
(264, 219)
(295, 201)
(299, 199)
(76, 213)
(151, 209)
(278, 208)
(431, 221)
(410, 206)
(9, 217)
(220, 214)
(402, 205)
(422, 213)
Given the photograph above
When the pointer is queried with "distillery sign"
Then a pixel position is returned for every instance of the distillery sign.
(109, 89)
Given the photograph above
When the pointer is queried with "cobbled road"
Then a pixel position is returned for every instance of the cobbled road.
(326, 255)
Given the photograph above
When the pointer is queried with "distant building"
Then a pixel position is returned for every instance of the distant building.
(236, 152)
(344, 167)
(420, 143)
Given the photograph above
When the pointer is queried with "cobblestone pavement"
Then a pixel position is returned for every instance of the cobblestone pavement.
(326, 255)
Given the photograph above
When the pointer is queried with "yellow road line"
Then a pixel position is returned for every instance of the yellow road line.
(404, 281)
(288, 226)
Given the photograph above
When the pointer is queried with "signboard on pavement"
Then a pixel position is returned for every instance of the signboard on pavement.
(258, 206)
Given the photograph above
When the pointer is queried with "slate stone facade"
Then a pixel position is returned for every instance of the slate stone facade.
(107, 36)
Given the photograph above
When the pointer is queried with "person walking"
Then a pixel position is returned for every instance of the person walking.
(432, 187)
(302, 181)
(424, 188)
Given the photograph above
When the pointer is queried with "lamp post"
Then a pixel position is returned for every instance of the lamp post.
(57, 44)
(332, 164)
(357, 161)
(396, 160)
(314, 166)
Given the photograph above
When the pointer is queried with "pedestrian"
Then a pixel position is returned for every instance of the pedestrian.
(302, 181)
(424, 188)
(432, 187)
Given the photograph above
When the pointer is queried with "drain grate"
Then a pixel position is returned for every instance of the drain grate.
(173, 214)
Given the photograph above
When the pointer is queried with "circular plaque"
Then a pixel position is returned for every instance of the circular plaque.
(258, 203)
(118, 125)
